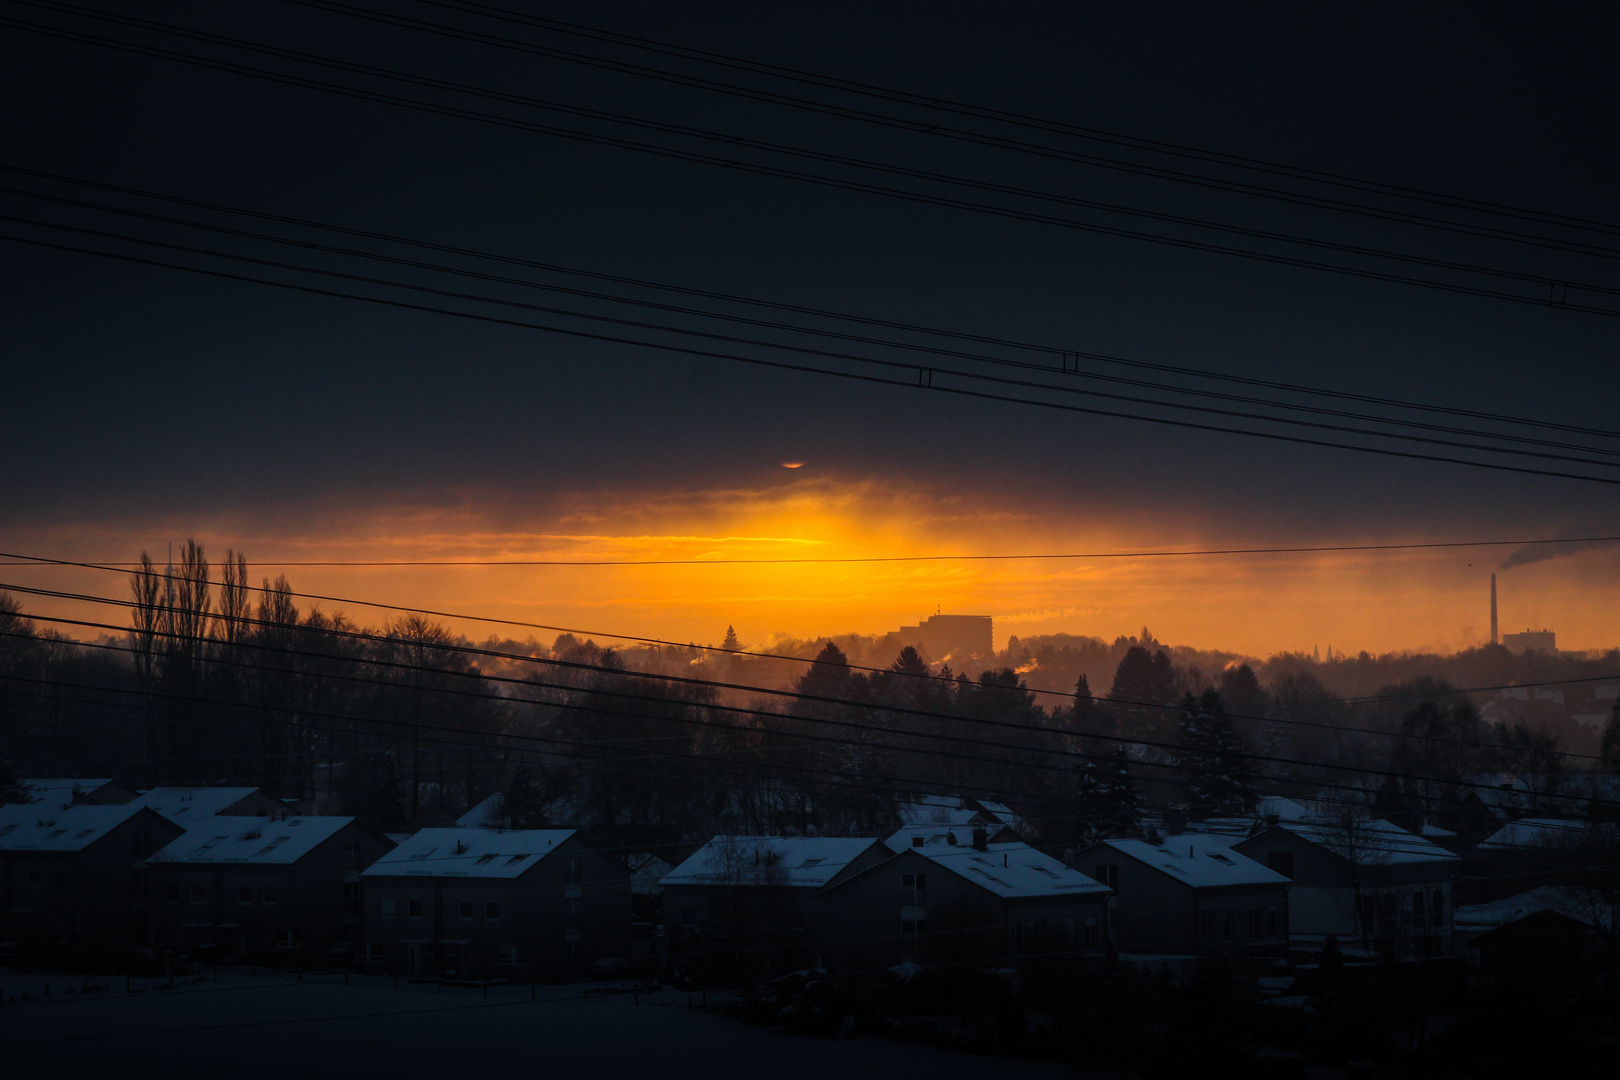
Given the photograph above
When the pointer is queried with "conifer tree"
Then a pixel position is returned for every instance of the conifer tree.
(1219, 776)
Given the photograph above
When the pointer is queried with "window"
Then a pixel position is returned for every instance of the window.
(413, 909)
(1254, 923)
(1417, 905)
(351, 898)
(492, 910)
(1439, 906)
(1282, 862)
(572, 912)
(351, 853)
(58, 832)
(1226, 923)
(288, 939)
(464, 910)
(272, 845)
(386, 908)
(244, 894)
(199, 895)
(514, 860)
(35, 879)
(1108, 874)
(171, 894)
(484, 860)
(269, 894)
(1091, 931)
(143, 843)
(1271, 921)
(576, 870)
(508, 956)
(913, 890)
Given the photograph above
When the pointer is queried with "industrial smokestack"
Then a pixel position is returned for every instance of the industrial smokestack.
(1493, 610)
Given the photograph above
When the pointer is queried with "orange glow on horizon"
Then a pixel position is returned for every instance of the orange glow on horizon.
(1380, 601)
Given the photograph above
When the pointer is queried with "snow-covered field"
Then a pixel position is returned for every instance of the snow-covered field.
(269, 1026)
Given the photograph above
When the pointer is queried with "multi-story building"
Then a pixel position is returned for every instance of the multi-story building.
(268, 890)
(1188, 894)
(521, 904)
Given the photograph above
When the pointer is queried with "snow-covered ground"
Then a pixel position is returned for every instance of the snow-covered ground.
(270, 1026)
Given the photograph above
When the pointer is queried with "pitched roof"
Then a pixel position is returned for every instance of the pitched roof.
(1380, 842)
(61, 790)
(32, 827)
(269, 841)
(907, 836)
(1535, 831)
(1012, 871)
(483, 815)
(476, 852)
(184, 803)
(1586, 905)
(797, 861)
(1198, 859)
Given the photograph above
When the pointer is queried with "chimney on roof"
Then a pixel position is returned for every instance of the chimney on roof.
(981, 839)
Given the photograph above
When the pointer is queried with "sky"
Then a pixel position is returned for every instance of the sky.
(145, 405)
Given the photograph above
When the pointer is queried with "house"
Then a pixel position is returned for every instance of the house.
(1003, 904)
(522, 905)
(270, 890)
(66, 792)
(1544, 952)
(1587, 905)
(1363, 881)
(186, 804)
(924, 833)
(71, 872)
(749, 906)
(1538, 851)
(1188, 894)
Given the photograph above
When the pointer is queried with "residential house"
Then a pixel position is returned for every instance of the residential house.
(282, 890)
(1367, 882)
(524, 904)
(72, 872)
(1003, 904)
(750, 906)
(1188, 894)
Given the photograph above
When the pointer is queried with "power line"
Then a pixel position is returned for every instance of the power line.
(1369, 699)
(25, 560)
(935, 102)
(924, 380)
(1557, 288)
(1053, 350)
(769, 324)
(929, 128)
(798, 695)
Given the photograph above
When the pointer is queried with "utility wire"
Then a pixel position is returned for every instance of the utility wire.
(1369, 699)
(791, 327)
(1052, 350)
(924, 380)
(937, 103)
(1556, 294)
(936, 130)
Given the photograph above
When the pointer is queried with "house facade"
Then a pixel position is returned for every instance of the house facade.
(521, 905)
(283, 891)
(1189, 894)
(1368, 883)
(73, 872)
(1006, 905)
(750, 906)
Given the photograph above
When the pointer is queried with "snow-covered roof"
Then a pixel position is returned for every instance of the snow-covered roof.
(1586, 905)
(1375, 840)
(61, 790)
(482, 815)
(1527, 832)
(907, 836)
(183, 803)
(955, 810)
(646, 872)
(1280, 808)
(798, 861)
(1198, 859)
(481, 853)
(34, 827)
(1011, 871)
(269, 841)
